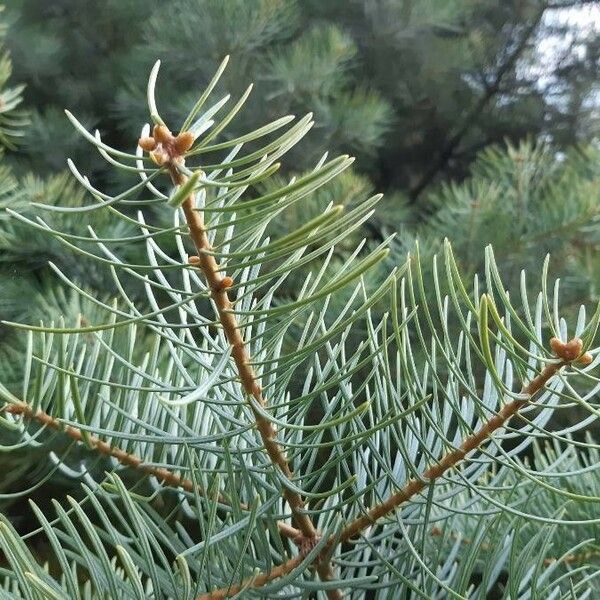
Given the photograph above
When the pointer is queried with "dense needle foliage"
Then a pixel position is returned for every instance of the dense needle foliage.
(241, 375)
(235, 435)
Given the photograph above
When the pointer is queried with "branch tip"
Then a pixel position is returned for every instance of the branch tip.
(571, 351)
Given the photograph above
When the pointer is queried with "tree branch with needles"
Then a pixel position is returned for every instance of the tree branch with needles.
(169, 151)
(566, 354)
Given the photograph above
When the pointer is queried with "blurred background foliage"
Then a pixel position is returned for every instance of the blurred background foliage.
(478, 119)
(414, 88)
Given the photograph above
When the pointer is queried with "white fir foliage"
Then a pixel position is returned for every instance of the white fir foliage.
(361, 404)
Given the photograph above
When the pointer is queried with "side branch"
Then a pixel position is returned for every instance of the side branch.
(95, 444)
(451, 459)
(255, 582)
(567, 353)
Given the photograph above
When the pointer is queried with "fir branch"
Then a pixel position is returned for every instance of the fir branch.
(566, 352)
(218, 402)
(95, 444)
(168, 150)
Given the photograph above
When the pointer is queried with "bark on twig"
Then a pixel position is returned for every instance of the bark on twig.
(215, 279)
(415, 486)
(95, 444)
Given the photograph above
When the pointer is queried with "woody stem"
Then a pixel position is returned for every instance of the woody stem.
(208, 265)
(166, 476)
(410, 489)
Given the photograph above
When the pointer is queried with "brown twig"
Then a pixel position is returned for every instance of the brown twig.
(255, 582)
(129, 460)
(173, 480)
(566, 352)
(451, 459)
(168, 151)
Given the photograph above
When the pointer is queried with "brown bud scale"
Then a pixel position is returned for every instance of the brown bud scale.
(147, 143)
(568, 351)
(162, 134)
(184, 141)
(223, 284)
